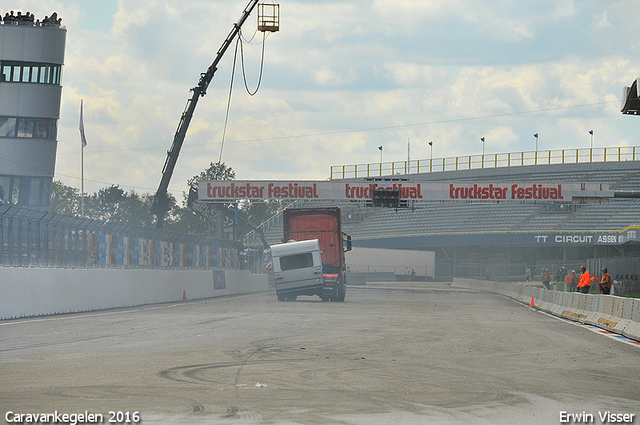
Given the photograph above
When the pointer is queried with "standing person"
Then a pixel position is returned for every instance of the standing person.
(605, 282)
(528, 274)
(546, 278)
(584, 285)
(570, 281)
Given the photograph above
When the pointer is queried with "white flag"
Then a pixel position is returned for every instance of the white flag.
(82, 138)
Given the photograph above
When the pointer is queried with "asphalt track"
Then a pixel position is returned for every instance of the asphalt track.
(390, 354)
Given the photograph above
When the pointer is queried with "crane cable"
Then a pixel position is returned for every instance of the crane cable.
(226, 117)
(244, 75)
(233, 71)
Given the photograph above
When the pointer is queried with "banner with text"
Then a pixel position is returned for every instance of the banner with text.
(225, 190)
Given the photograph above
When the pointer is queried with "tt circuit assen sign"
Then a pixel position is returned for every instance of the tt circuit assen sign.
(225, 190)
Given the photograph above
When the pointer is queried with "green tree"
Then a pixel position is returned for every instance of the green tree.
(64, 199)
(114, 204)
(257, 212)
(107, 204)
(216, 171)
(186, 219)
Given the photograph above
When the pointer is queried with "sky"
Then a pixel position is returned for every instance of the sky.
(340, 79)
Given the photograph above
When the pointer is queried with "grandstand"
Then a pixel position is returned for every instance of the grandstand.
(502, 239)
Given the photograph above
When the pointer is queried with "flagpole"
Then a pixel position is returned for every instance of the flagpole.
(82, 180)
(83, 143)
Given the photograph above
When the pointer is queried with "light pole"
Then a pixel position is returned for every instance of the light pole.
(431, 144)
(380, 148)
(482, 138)
(591, 133)
(536, 136)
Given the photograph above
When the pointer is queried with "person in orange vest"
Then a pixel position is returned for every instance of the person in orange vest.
(605, 282)
(570, 281)
(546, 277)
(584, 285)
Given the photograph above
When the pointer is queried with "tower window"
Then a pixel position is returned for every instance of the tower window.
(16, 72)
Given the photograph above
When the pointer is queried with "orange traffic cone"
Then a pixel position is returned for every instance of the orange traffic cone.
(532, 304)
(184, 295)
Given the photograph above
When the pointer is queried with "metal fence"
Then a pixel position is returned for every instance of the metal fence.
(36, 238)
(624, 271)
(472, 162)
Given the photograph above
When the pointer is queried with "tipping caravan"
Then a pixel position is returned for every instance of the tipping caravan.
(297, 269)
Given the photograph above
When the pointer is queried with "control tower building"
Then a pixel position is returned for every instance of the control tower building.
(31, 59)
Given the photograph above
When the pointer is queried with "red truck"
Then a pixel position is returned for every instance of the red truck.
(323, 224)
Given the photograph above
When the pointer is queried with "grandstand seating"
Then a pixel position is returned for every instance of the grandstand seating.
(437, 218)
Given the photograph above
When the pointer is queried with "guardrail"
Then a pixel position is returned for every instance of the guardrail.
(612, 313)
(472, 162)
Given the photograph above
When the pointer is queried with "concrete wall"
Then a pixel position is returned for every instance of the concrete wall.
(615, 314)
(397, 261)
(38, 291)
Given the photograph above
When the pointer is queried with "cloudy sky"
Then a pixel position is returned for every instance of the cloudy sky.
(340, 79)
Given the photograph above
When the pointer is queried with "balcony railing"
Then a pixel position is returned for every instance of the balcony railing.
(472, 162)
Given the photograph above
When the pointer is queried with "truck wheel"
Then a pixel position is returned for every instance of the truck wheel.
(281, 297)
(342, 292)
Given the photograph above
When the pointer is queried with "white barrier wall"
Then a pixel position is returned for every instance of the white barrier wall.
(38, 291)
(615, 314)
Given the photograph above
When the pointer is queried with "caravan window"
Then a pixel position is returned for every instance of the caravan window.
(298, 261)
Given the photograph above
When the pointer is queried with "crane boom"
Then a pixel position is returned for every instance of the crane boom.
(160, 204)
